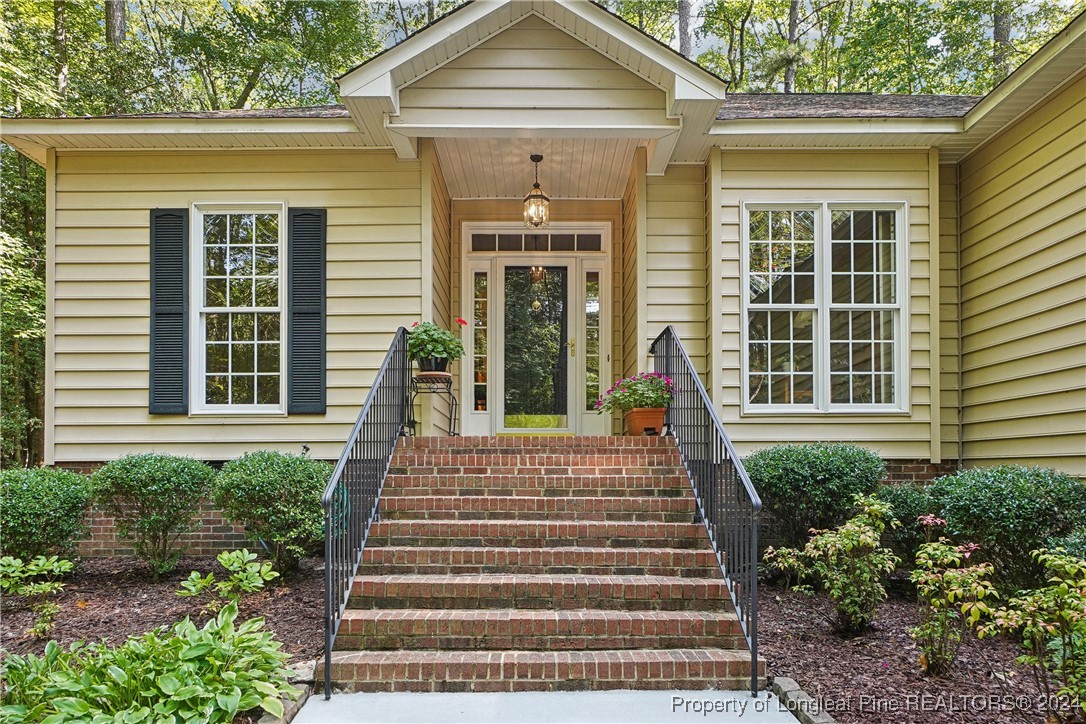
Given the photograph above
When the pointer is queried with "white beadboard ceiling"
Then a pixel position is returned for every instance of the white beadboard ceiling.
(572, 168)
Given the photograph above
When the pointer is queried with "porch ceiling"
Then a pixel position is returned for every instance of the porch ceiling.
(572, 168)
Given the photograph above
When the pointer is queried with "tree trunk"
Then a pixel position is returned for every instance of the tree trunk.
(60, 50)
(685, 46)
(793, 37)
(116, 27)
(1001, 40)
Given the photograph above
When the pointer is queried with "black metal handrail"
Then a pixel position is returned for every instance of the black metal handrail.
(351, 498)
(727, 501)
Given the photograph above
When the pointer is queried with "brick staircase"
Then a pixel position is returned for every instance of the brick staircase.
(536, 564)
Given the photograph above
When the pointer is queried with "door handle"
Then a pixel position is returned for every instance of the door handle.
(572, 347)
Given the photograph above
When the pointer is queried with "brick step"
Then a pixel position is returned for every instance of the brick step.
(509, 507)
(456, 560)
(548, 591)
(527, 484)
(536, 534)
(648, 461)
(612, 444)
(456, 629)
(450, 671)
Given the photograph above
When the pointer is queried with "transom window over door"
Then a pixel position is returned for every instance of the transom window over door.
(239, 327)
(823, 308)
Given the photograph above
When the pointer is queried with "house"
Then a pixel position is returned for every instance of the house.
(904, 272)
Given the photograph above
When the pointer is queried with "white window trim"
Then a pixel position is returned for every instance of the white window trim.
(197, 335)
(823, 223)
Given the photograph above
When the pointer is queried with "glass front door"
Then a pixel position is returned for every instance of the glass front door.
(537, 338)
(535, 358)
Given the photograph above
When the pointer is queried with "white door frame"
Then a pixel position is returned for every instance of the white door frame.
(489, 422)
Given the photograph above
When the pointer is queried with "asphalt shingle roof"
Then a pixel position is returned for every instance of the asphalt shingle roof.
(842, 105)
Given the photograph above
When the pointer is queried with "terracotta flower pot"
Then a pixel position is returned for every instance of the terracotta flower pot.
(645, 420)
(433, 364)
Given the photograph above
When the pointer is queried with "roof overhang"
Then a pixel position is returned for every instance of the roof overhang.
(371, 91)
(32, 136)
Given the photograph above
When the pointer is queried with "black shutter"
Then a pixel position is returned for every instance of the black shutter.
(169, 311)
(306, 234)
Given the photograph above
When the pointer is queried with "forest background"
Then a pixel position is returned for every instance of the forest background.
(84, 58)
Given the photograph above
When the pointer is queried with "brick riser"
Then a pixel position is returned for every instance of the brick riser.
(687, 562)
(538, 564)
(499, 629)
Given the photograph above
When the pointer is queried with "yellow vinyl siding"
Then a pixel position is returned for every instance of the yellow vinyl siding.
(632, 239)
(835, 176)
(531, 75)
(1023, 271)
(100, 332)
(949, 328)
(436, 409)
(676, 269)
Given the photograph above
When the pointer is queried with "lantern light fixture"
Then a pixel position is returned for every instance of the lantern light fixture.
(536, 203)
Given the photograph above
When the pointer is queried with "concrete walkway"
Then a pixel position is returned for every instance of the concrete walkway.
(620, 707)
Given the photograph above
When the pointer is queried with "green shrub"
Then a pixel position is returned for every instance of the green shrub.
(848, 562)
(1051, 624)
(1011, 510)
(909, 501)
(41, 511)
(246, 576)
(277, 497)
(953, 599)
(812, 486)
(36, 582)
(153, 499)
(183, 674)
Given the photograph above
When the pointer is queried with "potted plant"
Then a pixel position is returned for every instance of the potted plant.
(643, 399)
(432, 347)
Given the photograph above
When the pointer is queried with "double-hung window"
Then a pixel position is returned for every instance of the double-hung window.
(239, 322)
(823, 308)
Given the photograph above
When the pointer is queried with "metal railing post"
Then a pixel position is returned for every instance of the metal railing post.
(727, 502)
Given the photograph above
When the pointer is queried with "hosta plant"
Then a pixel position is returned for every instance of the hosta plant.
(847, 562)
(183, 674)
(36, 582)
(246, 575)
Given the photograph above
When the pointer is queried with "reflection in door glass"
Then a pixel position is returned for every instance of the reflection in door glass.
(536, 351)
(480, 337)
(592, 339)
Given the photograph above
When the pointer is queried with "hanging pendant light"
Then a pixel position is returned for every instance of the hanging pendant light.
(536, 203)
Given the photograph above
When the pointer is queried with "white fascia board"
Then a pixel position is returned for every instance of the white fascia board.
(660, 151)
(835, 126)
(704, 81)
(526, 130)
(379, 90)
(161, 126)
(353, 80)
(1071, 40)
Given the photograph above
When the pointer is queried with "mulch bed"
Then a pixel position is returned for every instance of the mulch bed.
(112, 598)
(877, 678)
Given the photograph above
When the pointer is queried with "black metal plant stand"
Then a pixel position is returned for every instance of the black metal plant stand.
(434, 383)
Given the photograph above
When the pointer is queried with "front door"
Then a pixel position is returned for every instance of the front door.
(536, 342)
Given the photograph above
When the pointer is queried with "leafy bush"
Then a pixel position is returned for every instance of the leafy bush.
(41, 511)
(277, 497)
(182, 674)
(910, 501)
(952, 599)
(153, 499)
(1051, 623)
(36, 582)
(812, 486)
(430, 340)
(848, 562)
(1010, 510)
(246, 576)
